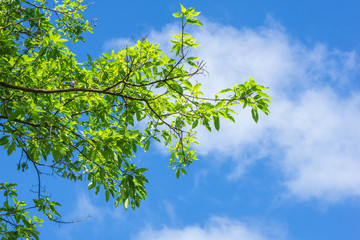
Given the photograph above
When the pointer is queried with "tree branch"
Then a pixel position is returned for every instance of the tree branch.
(52, 91)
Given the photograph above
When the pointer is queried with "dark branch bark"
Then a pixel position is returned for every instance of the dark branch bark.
(52, 91)
(21, 121)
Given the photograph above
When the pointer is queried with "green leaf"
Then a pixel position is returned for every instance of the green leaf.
(228, 116)
(183, 10)
(192, 58)
(97, 189)
(246, 101)
(206, 124)
(177, 15)
(189, 11)
(35, 155)
(126, 203)
(146, 145)
(102, 174)
(226, 90)
(42, 51)
(183, 171)
(195, 123)
(178, 123)
(192, 64)
(177, 88)
(141, 170)
(216, 123)
(133, 146)
(91, 185)
(14, 115)
(4, 140)
(197, 87)
(255, 114)
(187, 84)
(11, 148)
(220, 104)
(194, 21)
(107, 195)
(138, 115)
(194, 14)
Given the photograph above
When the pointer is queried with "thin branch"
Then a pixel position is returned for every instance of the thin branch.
(38, 175)
(21, 121)
(24, 20)
(18, 211)
(57, 221)
(162, 120)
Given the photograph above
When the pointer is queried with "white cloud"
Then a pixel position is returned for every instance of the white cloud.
(117, 44)
(320, 140)
(313, 131)
(217, 228)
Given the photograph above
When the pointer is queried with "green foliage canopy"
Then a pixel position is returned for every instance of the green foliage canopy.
(86, 121)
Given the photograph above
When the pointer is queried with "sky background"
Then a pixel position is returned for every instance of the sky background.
(293, 176)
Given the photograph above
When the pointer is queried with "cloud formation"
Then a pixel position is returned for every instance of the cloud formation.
(216, 228)
(312, 133)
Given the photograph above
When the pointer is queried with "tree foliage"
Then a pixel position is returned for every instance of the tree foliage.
(86, 121)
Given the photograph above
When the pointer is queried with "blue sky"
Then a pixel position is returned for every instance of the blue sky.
(294, 176)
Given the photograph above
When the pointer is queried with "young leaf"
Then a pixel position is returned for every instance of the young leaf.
(177, 15)
(193, 21)
(183, 10)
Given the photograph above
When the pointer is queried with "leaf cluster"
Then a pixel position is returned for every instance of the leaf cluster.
(86, 121)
